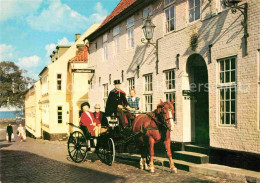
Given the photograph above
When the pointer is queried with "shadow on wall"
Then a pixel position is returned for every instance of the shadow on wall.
(211, 31)
(27, 167)
(139, 58)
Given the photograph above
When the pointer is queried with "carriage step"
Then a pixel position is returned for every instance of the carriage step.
(191, 157)
(197, 149)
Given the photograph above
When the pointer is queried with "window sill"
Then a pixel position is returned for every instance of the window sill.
(227, 126)
(148, 93)
(169, 91)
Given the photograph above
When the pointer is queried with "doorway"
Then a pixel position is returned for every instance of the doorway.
(198, 81)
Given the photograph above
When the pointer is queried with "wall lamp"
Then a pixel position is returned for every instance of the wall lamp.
(148, 29)
(233, 4)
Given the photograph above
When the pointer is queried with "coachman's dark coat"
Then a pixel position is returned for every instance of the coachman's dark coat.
(115, 98)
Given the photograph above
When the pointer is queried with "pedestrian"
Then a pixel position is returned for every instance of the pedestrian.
(9, 131)
(20, 132)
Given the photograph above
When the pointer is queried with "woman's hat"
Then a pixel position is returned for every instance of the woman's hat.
(84, 104)
(117, 82)
(97, 106)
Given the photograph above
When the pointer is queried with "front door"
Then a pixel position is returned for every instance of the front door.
(201, 105)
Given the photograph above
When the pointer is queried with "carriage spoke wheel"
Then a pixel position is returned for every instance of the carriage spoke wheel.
(106, 151)
(77, 147)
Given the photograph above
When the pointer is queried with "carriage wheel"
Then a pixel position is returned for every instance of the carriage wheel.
(106, 151)
(77, 147)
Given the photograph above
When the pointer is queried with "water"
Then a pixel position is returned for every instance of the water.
(9, 114)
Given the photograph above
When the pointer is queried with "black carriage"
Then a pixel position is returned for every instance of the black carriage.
(106, 142)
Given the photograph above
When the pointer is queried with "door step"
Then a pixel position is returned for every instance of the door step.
(191, 157)
(197, 149)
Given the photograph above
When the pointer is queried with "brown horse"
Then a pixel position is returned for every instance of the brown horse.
(155, 126)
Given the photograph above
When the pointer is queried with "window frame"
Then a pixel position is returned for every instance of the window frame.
(130, 40)
(147, 103)
(172, 79)
(60, 110)
(105, 93)
(59, 79)
(146, 85)
(168, 7)
(131, 83)
(225, 86)
(105, 46)
(188, 5)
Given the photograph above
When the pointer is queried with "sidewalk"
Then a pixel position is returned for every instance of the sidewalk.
(208, 169)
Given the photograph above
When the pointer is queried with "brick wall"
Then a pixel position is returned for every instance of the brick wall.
(224, 31)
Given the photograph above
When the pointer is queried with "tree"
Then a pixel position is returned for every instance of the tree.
(13, 84)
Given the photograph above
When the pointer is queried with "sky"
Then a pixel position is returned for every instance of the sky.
(31, 29)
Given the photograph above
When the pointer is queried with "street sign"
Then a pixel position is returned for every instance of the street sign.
(83, 70)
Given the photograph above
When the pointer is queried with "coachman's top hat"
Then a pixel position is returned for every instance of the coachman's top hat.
(117, 82)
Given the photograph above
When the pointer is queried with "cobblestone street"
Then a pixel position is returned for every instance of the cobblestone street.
(48, 161)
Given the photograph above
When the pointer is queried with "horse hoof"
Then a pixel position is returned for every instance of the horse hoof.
(146, 167)
(174, 170)
(152, 169)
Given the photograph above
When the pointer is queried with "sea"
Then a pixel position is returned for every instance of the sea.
(10, 114)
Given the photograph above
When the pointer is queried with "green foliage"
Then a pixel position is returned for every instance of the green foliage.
(13, 84)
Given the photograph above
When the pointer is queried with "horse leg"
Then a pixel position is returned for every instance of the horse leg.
(167, 144)
(144, 153)
(151, 143)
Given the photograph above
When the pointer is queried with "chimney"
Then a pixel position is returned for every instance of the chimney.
(77, 36)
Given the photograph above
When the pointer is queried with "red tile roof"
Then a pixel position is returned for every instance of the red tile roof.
(122, 5)
(81, 55)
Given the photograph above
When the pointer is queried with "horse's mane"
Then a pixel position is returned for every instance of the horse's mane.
(163, 104)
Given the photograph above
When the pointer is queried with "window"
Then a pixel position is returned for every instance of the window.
(169, 88)
(130, 32)
(59, 82)
(167, 2)
(131, 83)
(147, 11)
(194, 10)
(105, 94)
(99, 81)
(148, 103)
(116, 40)
(169, 15)
(110, 79)
(59, 114)
(227, 91)
(148, 83)
(105, 50)
(169, 80)
(148, 95)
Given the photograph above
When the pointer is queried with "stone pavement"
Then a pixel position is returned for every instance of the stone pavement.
(45, 161)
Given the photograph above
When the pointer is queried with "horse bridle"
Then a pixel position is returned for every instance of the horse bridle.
(164, 123)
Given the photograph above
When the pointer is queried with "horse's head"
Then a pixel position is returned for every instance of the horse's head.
(165, 113)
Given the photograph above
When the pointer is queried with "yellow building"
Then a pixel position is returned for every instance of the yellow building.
(32, 110)
(64, 86)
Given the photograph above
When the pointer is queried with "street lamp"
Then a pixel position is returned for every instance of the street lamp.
(234, 5)
(148, 29)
